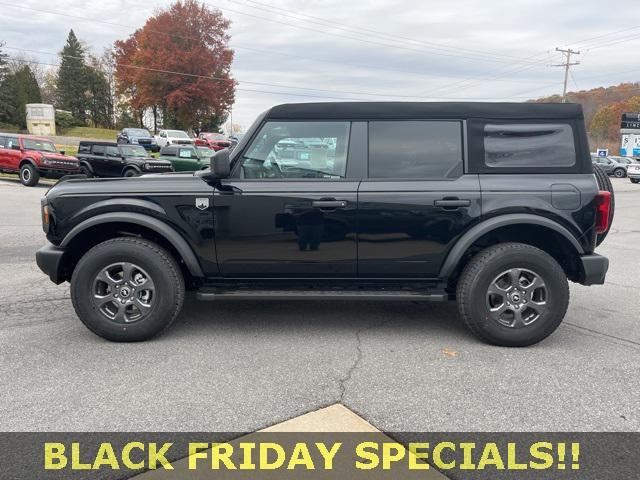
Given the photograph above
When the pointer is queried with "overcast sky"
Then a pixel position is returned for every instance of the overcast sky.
(373, 49)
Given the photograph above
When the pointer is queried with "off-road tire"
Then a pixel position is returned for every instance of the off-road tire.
(130, 172)
(29, 175)
(84, 170)
(162, 268)
(604, 184)
(479, 274)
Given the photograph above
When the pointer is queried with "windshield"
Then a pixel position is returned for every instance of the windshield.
(177, 134)
(133, 151)
(40, 145)
(214, 136)
(137, 132)
(205, 152)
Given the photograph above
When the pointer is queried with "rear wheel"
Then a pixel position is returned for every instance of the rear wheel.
(29, 175)
(604, 184)
(513, 295)
(127, 289)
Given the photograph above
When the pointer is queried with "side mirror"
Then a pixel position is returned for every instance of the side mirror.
(62, 152)
(220, 164)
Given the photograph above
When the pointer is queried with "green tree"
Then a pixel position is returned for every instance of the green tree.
(22, 87)
(98, 95)
(6, 100)
(72, 79)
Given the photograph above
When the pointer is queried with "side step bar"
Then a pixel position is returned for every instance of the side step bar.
(369, 295)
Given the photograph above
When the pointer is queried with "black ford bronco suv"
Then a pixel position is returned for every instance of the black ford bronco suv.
(494, 205)
(109, 159)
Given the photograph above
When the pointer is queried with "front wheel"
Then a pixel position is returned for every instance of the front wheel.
(513, 295)
(130, 172)
(127, 289)
(635, 180)
(619, 173)
(29, 175)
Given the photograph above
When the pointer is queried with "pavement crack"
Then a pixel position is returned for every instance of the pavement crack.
(627, 342)
(342, 382)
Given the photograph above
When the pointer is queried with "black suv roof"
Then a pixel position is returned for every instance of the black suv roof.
(106, 144)
(404, 110)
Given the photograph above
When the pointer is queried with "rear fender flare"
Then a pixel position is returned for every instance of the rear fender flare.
(473, 234)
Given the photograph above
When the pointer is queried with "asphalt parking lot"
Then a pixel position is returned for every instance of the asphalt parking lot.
(243, 366)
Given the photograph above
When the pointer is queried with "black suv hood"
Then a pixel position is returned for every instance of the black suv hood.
(158, 183)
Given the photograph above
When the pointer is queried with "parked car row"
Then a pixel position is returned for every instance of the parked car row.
(164, 138)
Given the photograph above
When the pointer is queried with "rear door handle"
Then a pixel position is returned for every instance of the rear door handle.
(452, 203)
(329, 204)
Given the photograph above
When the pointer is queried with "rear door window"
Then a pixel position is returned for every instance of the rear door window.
(529, 145)
(415, 149)
(98, 150)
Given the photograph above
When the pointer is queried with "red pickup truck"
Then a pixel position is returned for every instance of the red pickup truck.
(34, 157)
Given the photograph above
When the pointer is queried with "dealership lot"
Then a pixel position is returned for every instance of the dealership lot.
(242, 366)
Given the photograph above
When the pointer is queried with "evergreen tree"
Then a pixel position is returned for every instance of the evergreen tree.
(72, 78)
(6, 100)
(98, 97)
(22, 88)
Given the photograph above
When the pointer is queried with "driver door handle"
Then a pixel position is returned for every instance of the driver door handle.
(331, 204)
(452, 203)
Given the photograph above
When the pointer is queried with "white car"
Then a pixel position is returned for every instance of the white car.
(633, 172)
(173, 137)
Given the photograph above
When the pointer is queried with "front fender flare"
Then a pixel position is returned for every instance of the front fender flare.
(158, 226)
(466, 240)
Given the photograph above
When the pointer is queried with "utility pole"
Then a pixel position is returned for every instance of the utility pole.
(566, 53)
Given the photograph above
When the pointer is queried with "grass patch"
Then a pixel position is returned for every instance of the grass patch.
(68, 149)
(95, 133)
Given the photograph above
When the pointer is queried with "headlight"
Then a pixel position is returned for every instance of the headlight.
(45, 215)
(47, 161)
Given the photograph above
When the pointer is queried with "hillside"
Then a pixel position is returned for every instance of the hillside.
(603, 107)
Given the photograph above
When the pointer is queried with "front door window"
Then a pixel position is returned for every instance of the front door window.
(290, 150)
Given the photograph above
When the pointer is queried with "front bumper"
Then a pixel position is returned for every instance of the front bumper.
(50, 260)
(593, 269)
(634, 174)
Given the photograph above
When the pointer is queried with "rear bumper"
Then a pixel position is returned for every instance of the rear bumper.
(50, 260)
(593, 269)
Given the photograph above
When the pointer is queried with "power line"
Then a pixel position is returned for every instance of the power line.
(222, 79)
(205, 77)
(361, 30)
(306, 29)
(234, 46)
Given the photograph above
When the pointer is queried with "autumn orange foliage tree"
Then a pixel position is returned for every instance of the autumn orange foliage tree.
(179, 66)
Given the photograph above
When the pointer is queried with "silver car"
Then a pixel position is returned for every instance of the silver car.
(616, 166)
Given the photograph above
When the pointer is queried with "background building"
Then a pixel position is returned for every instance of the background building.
(41, 119)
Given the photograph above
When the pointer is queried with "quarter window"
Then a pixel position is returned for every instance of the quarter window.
(298, 150)
(529, 145)
(415, 149)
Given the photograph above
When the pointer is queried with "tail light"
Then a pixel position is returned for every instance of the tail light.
(603, 209)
